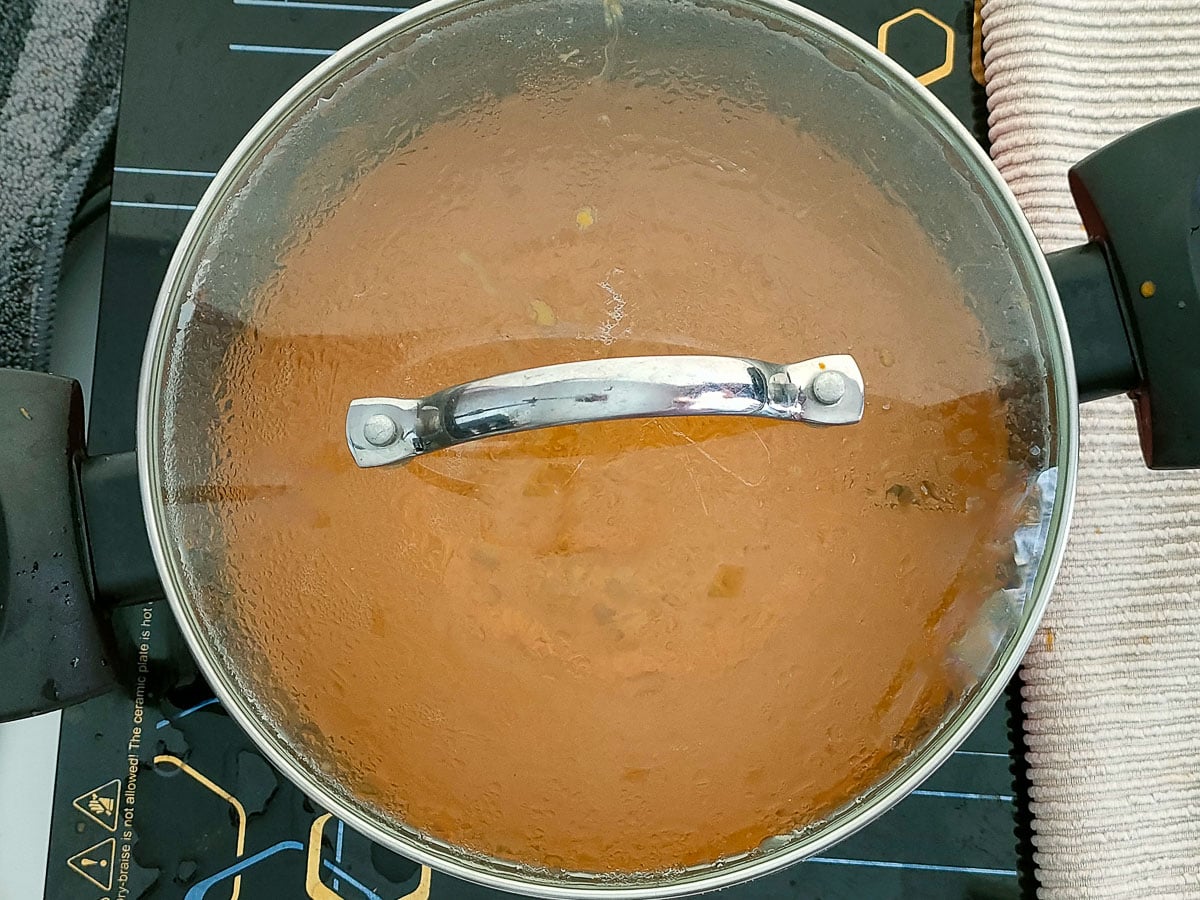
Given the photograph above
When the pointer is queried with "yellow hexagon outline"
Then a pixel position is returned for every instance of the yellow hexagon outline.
(935, 74)
(238, 809)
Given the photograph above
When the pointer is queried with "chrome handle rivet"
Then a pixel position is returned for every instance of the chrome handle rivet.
(829, 387)
(380, 430)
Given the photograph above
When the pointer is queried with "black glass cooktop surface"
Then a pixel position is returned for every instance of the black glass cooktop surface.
(159, 794)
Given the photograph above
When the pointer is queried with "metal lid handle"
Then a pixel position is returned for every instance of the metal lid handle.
(827, 390)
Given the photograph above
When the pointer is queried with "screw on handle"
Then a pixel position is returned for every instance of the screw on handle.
(825, 390)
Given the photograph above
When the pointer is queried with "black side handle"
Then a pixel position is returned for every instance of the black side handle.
(1104, 360)
(73, 545)
(123, 566)
(54, 648)
(1139, 198)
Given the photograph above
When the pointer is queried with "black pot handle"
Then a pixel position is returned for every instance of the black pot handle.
(55, 641)
(123, 568)
(1132, 295)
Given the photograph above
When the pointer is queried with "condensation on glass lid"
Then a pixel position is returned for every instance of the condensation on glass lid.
(623, 646)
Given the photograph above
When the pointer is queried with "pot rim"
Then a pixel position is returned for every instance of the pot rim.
(1065, 412)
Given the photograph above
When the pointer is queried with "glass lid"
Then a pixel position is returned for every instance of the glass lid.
(621, 621)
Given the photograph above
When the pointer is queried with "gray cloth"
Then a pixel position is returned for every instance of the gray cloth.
(60, 64)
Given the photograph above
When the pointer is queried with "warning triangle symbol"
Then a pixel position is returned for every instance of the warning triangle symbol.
(100, 804)
(96, 863)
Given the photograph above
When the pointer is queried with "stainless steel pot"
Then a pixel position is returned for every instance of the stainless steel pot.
(399, 64)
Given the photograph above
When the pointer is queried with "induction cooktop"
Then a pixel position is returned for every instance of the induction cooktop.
(159, 795)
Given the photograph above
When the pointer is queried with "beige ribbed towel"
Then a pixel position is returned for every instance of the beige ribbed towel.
(1112, 693)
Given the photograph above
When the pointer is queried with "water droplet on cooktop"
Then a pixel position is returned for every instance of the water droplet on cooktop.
(256, 781)
(186, 871)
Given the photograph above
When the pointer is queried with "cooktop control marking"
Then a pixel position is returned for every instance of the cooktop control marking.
(96, 863)
(100, 804)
